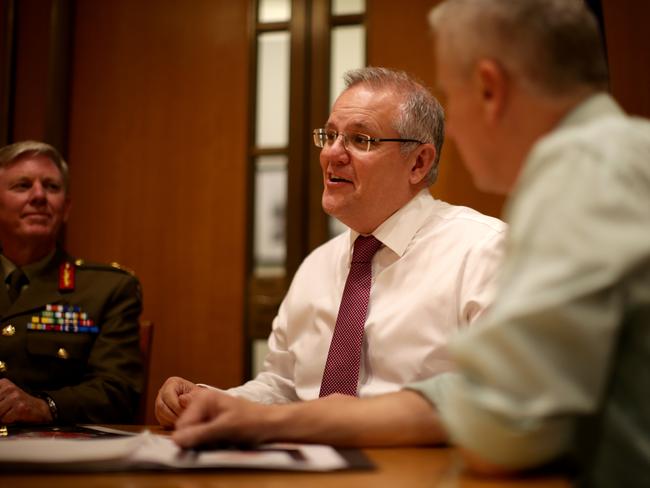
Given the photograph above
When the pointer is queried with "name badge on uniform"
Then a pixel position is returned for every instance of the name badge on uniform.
(63, 318)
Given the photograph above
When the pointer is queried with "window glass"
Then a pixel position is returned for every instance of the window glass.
(346, 7)
(348, 52)
(274, 11)
(270, 215)
(272, 118)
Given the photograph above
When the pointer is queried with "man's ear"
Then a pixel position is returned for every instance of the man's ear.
(492, 86)
(425, 155)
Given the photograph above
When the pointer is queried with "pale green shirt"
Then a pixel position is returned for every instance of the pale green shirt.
(577, 264)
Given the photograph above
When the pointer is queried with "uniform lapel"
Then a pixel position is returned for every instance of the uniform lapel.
(43, 286)
(4, 295)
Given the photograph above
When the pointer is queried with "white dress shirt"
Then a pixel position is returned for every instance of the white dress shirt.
(431, 278)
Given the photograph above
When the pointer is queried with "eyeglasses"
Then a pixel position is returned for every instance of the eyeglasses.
(352, 141)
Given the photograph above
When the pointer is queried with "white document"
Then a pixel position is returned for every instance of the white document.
(150, 451)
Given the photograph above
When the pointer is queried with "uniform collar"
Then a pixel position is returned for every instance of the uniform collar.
(31, 269)
(7, 266)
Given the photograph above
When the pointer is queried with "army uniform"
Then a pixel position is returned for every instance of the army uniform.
(72, 336)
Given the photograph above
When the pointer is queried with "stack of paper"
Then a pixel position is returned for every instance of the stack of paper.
(149, 451)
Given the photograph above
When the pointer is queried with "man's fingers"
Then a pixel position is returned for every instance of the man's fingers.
(169, 405)
(196, 434)
(170, 399)
(9, 416)
(164, 414)
(185, 399)
(204, 405)
(193, 414)
(184, 386)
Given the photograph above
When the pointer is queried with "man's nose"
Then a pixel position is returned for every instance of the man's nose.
(37, 192)
(337, 150)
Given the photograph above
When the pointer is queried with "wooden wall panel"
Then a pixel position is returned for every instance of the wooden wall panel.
(398, 38)
(628, 49)
(6, 73)
(32, 24)
(158, 160)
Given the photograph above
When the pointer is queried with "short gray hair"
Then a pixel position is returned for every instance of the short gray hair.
(13, 152)
(553, 45)
(421, 116)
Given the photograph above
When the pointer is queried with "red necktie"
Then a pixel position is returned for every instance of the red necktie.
(344, 358)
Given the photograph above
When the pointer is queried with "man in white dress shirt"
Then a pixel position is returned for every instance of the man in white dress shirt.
(431, 277)
(558, 366)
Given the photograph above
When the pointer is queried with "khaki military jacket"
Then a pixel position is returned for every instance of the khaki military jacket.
(73, 335)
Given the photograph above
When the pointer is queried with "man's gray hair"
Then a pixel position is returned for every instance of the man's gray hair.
(421, 116)
(18, 150)
(553, 45)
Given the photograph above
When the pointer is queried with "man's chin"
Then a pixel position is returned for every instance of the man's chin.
(38, 232)
(331, 207)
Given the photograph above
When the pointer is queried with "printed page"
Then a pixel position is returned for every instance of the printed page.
(149, 451)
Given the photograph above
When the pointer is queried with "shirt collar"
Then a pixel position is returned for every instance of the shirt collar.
(398, 230)
(591, 109)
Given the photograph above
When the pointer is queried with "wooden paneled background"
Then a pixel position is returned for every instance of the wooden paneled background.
(628, 49)
(158, 128)
(405, 44)
(157, 122)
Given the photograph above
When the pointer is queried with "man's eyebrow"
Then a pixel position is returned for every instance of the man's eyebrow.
(354, 126)
(360, 126)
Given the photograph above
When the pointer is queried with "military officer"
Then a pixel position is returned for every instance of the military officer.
(68, 330)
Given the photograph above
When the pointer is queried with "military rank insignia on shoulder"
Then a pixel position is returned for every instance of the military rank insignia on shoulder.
(120, 267)
(117, 267)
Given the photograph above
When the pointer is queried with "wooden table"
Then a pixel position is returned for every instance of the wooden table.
(395, 468)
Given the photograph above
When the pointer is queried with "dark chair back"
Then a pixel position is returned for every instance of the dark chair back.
(146, 340)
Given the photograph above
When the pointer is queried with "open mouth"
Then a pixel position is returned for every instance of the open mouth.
(338, 179)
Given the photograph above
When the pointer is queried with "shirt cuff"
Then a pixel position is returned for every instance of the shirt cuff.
(507, 440)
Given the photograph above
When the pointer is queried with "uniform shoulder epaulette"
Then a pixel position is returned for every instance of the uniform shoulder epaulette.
(115, 267)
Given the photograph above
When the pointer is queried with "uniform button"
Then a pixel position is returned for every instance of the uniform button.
(3, 367)
(8, 331)
(62, 353)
